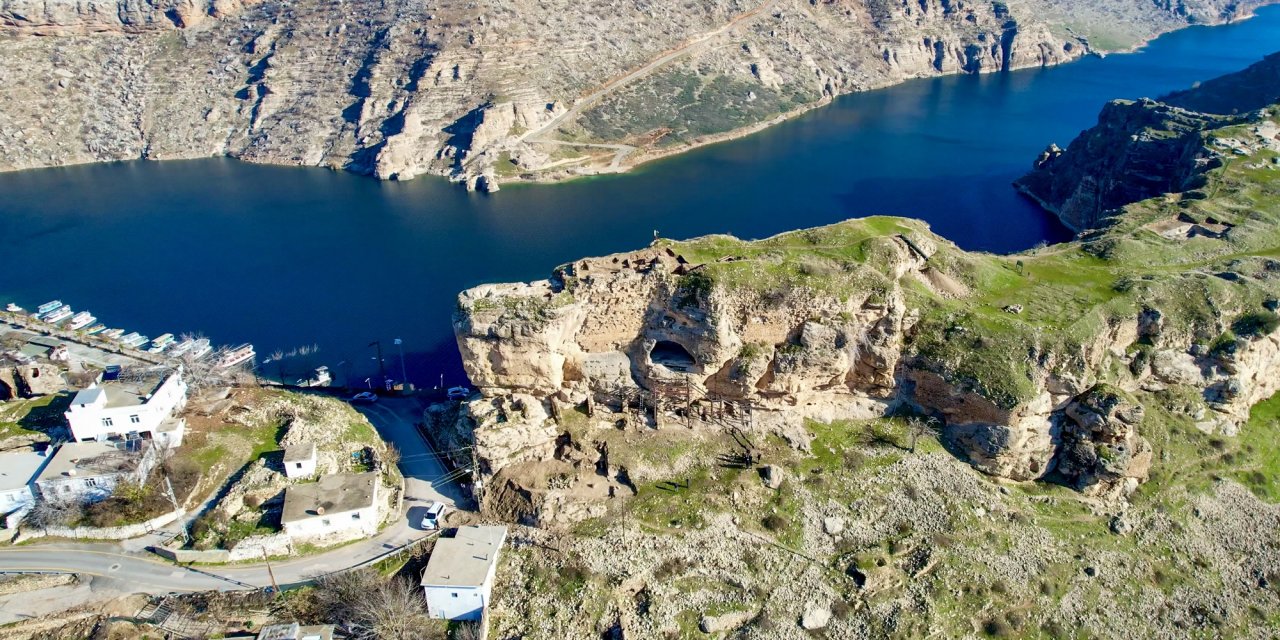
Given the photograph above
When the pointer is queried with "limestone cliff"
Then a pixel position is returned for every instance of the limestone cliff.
(494, 91)
(1046, 364)
(1142, 149)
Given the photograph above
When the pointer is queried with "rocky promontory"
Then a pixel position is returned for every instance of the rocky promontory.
(497, 91)
(1141, 149)
(1040, 365)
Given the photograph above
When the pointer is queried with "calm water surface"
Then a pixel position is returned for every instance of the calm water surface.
(286, 257)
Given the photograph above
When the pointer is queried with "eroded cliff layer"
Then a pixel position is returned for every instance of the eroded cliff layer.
(1041, 364)
(497, 90)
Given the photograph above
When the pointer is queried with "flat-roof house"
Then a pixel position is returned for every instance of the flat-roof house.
(344, 503)
(300, 460)
(458, 580)
(146, 405)
(91, 470)
(18, 468)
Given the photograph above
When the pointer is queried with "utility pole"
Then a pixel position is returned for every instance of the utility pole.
(275, 587)
(404, 376)
(382, 369)
(168, 487)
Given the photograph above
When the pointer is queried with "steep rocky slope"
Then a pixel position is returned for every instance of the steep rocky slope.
(863, 431)
(493, 91)
(1142, 149)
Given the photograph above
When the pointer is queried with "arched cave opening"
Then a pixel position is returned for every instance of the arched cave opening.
(672, 355)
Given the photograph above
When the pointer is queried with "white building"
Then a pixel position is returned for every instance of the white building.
(18, 468)
(458, 580)
(300, 460)
(91, 470)
(147, 406)
(344, 503)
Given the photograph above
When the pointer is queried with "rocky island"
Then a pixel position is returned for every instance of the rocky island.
(499, 91)
(864, 429)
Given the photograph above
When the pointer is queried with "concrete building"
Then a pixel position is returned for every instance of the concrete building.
(18, 468)
(458, 580)
(147, 405)
(300, 460)
(91, 470)
(344, 503)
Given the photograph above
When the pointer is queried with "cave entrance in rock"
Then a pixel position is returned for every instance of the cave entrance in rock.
(672, 355)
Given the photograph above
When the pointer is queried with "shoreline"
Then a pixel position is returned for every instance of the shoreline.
(641, 156)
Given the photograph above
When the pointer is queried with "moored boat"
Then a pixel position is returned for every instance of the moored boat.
(134, 339)
(161, 343)
(113, 334)
(13, 308)
(321, 378)
(57, 315)
(81, 320)
(48, 307)
(199, 349)
(181, 348)
(236, 356)
(97, 328)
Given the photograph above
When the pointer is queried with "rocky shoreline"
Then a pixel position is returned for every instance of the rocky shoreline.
(400, 90)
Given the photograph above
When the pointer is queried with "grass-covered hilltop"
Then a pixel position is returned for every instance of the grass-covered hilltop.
(861, 430)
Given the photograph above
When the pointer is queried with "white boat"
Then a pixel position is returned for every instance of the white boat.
(320, 379)
(58, 315)
(134, 339)
(199, 349)
(13, 308)
(81, 320)
(236, 356)
(97, 328)
(113, 334)
(160, 344)
(48, 307)
(182, 347)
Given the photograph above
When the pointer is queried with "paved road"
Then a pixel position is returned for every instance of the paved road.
(115, 569)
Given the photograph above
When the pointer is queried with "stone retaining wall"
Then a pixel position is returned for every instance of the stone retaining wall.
(100, 533)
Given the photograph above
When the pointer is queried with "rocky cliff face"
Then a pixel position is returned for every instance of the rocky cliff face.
(1047, 364)
(502, 91)
(1142, 149)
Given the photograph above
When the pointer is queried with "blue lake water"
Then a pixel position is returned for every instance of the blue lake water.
(286, 257)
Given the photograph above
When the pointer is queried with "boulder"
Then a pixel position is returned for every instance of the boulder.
(773, 476)
(816, 617)
(834, 525)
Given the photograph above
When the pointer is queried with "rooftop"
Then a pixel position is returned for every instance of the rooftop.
(131, 392)
(465, 559)
(301, 452)
(337, 493)
(19, 466)
(89, 459)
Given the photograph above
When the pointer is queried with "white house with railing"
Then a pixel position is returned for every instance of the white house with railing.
(146, 405)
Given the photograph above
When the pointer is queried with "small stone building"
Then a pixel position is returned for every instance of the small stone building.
(300, 460)
(341, 505)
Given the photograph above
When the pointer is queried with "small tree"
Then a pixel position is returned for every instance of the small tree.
(369, 607)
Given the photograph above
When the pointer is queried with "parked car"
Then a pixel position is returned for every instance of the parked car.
(364, 397)
(459, 393)
(434, 516)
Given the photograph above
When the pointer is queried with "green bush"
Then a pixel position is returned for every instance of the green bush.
(774, 522)
(1257, 323)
